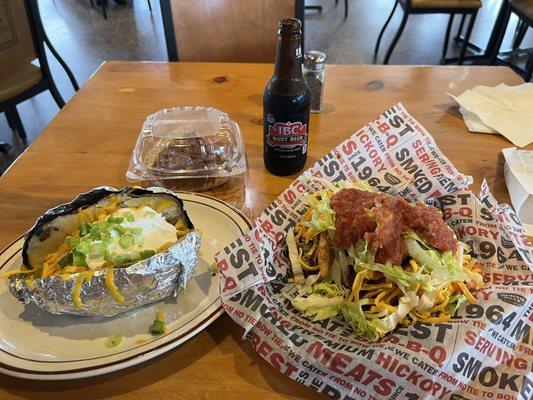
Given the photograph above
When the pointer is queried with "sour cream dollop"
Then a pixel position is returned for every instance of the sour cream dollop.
(153, 233)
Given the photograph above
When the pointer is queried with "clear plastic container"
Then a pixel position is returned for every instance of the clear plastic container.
(190, 148)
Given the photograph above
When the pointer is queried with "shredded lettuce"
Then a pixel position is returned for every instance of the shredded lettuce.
(404, 280)
(317, 307)
(335, 186)
(452, 307)
(335, 272)
(406, 303)
(308, 284)
(421, 252)
(360, 253)
(363, 258)
(322, 216)
(443, 267)
(428, 299)
(354, 315)
(329, 289)
(297, 270)
(344, 266)
(324, 302)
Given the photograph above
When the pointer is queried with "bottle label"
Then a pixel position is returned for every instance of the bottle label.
(287, 135)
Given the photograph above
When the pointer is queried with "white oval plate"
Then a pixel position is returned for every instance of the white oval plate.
(35, 344)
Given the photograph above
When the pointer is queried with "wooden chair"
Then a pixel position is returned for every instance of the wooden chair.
(103, 4)
(318, 8)
(452, 7)
(524, 10)
(23, 41)
(225, 30)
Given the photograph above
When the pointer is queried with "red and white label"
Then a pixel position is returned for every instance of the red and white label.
(287, 134)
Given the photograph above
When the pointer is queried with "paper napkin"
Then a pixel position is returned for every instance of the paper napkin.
(474, 124)
(507, 110)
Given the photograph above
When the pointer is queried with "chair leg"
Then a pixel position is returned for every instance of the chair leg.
(55, 93)
(318, 9)
(499, 40)
(529, 69)
(14, 121)
(521, 31)
(92, 3)
(467, 38)
(104, 8)
(396, 38)
(43, 37)
(447, 38)
(61, 62)
(376, 49)
(345, 9)
(336, 3)
(457, 37)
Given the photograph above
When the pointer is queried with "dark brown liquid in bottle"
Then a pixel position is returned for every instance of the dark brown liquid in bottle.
(286, 105)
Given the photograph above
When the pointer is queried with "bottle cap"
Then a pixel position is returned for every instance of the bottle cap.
(314, 60)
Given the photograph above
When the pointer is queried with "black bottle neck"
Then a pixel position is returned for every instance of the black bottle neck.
(288, 59)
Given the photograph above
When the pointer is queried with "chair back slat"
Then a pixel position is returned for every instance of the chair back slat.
(228, 30)
(16, 43)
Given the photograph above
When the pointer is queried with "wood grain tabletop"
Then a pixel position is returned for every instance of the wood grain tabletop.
(89, 144)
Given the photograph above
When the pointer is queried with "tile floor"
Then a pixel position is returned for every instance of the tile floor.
(85, 39)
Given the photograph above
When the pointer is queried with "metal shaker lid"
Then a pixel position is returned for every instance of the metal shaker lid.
(314, 59)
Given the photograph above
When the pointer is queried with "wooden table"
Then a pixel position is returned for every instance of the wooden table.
(90, 141)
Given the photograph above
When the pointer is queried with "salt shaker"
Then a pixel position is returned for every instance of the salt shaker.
(314, 75)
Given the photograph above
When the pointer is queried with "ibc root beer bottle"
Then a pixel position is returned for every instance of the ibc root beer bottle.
(286, 103)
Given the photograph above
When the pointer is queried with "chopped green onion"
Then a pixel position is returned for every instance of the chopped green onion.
(107, 238)
(85, 227)
(147, 253)
(157, 328)
(150, 214)
(131, 257)
(72, 241)
(115, 220)
(113, 258)
(97, 249)
(95, 233)
(120, 229)
(136, 231)
(129, 217)
(83, 247)
(114, 340)
(66, 260)
(213, 267)
(126, 241)
(103, 226)
(79, 259)
(118, 259)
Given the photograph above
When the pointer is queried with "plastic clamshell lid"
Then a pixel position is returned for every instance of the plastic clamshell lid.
(189, 142)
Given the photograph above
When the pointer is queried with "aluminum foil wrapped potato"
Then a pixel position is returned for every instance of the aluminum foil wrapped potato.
(107, 252)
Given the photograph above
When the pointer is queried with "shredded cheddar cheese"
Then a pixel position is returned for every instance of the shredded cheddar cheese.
(30, 284)
(76, 291)
(110, 284)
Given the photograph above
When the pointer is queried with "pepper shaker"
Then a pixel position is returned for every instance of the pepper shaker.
(314, 75)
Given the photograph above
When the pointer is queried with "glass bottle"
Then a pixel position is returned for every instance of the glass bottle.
(286, 105)
(314, 76)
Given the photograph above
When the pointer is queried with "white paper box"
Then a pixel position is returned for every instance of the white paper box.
(519, 178)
